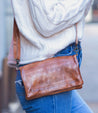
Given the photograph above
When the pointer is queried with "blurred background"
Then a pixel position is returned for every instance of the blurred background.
(8, 99)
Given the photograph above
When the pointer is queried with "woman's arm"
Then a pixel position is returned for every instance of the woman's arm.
(52, 16)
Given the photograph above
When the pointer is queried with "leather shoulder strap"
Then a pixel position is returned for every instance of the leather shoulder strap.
(16, 41)
(76, 34)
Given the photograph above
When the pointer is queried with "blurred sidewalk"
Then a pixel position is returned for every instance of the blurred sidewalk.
(89, 68)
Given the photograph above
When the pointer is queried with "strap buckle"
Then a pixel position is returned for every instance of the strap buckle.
(76, 49)
(17, 64)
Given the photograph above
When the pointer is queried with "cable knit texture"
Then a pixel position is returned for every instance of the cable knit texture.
(47, 26)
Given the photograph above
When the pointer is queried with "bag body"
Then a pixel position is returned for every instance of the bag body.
(51, 76)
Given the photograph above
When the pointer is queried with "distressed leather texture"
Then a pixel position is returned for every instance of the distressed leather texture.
(51, 76)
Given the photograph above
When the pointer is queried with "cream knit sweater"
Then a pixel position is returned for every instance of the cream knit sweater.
(47, 26)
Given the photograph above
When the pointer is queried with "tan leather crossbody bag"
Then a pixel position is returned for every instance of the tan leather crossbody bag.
(50, 76)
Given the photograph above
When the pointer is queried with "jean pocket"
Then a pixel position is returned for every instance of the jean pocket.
(19, 83)
(65, 52)
(20, 88)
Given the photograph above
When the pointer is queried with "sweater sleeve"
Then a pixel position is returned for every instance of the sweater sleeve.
(52, 16)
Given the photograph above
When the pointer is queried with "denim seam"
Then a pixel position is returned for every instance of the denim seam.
(77, 107)
(54, 103)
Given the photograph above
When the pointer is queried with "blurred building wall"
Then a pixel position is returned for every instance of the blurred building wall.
(2, 34)
(6, 25)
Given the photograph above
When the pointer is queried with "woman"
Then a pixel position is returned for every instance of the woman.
(48, 29)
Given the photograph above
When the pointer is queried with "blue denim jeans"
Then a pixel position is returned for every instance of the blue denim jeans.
(66, 102)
